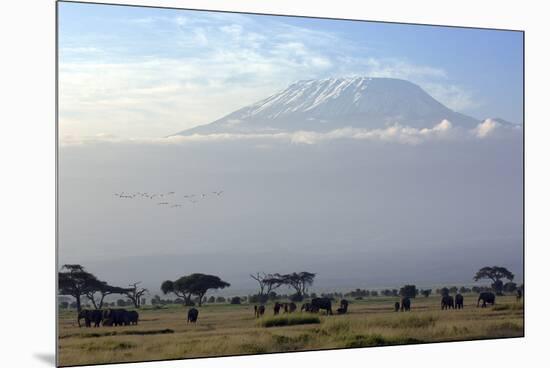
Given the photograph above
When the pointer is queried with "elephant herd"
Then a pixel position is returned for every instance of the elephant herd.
(447, 302)
(108, 317)
(314, 306)
(122, 317)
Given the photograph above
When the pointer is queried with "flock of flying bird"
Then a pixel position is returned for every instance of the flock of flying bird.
(163, 197)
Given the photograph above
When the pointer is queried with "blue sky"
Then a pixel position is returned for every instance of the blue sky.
(146, 72)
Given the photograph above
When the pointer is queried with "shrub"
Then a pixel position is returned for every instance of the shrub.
(359, 341)
(236, 300)
(289, 321)
(426, 293)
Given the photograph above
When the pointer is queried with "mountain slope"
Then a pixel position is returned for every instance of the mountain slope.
(327, 104)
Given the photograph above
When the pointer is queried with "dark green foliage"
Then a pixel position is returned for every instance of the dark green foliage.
(289, 320)
(298, 281)
(196, 284)
(359, 341)
(495, 274)
(426, 292)
(408, 291)
(235, 300)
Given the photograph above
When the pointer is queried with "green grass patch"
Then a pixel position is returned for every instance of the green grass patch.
(291, 343)
(407, 321)
(359, 341)
(288, 321)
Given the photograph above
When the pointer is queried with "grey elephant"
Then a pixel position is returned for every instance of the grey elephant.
(487, 297)
(459, 301)
(90, 317)
(405, 304)
(116, 317)
(133, 317)
(321, 303)
(447, 302)
(192, 315)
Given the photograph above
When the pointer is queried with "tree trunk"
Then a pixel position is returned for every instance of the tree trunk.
(101, 301)
(78, 305)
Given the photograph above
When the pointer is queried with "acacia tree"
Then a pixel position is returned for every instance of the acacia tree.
(196, 284)
(180, 288)
(76, 282)
(101, 289)
(134, 293)
(298, 281)
(495, 274)
(267, 283)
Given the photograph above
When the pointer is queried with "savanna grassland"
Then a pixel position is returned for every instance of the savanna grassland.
(224, 329)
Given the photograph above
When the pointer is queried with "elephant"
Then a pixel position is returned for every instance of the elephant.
(277, 308)
(90, 316)
(447, 302)
(192, 315)
(321, 303)
(290, 307)
(486, 297)
(259, 311)
(405, 304)
(396, 306)
(459, 301)
(83, 314)
(133, 317)
(306, 307)
(343, 307)
(116, 317)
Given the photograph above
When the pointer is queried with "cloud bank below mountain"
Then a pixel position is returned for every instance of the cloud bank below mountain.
(444, 131)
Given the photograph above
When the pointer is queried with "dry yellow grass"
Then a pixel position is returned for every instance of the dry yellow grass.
(233, 330)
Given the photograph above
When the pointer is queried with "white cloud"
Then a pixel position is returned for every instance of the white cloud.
(398, 134)
(486, 128)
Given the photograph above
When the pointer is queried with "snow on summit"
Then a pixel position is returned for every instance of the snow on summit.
(322, 105)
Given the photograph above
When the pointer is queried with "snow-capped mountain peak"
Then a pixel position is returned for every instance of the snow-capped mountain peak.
(331, 103)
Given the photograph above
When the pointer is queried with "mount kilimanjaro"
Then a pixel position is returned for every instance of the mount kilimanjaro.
(326, 104)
